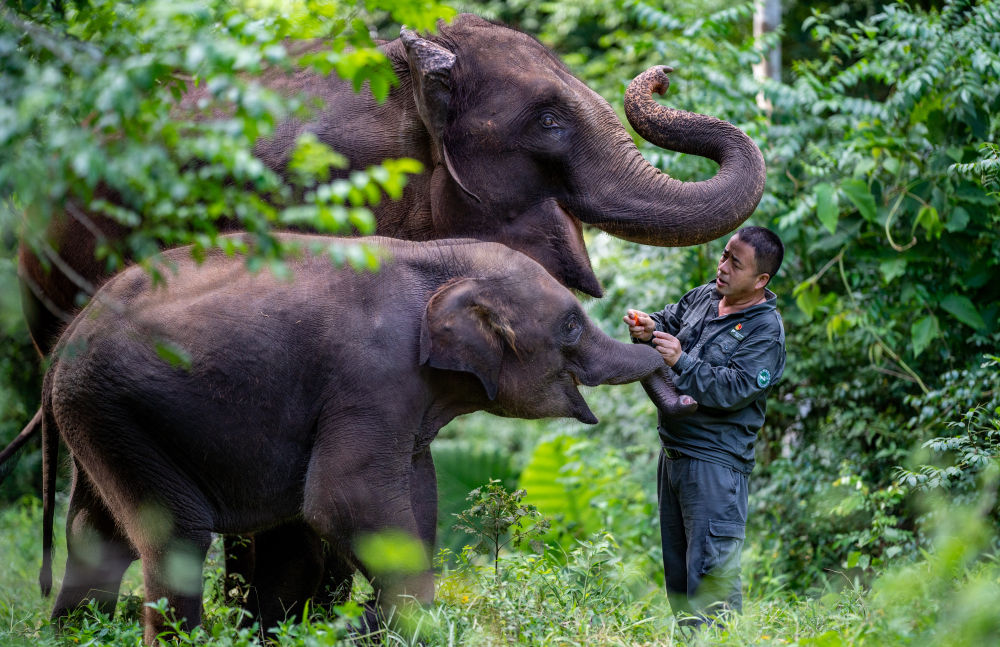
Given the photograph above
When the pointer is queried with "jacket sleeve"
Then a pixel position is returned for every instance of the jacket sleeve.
(668, 320)
(751, 371)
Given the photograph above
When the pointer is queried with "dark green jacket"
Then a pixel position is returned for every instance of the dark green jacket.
(729, 365)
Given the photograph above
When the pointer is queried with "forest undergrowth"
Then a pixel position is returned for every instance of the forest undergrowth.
(584, 595)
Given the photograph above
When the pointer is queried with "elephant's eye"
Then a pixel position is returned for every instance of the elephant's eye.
(572, 329)
(549, 121)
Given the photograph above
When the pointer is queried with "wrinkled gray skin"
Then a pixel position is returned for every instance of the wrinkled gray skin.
(281, 417)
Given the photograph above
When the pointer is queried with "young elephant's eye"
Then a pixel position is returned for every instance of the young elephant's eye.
(572, 329)
(548, 120)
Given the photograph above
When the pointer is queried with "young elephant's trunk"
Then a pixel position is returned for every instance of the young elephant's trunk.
(608, 361)
(661, 390)
(612, 362)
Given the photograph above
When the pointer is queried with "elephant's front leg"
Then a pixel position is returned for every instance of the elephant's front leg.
(288, 569)
(354, 493)
(424, 497)
(339, 567)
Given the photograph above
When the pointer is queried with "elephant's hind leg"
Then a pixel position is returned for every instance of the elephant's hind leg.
(97, 552)
(172, 535)
(172, 569)
(165, 516)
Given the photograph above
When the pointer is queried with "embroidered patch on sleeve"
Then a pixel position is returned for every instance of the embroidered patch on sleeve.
(763, 378)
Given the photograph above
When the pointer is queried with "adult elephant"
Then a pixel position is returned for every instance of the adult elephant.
(516, 150)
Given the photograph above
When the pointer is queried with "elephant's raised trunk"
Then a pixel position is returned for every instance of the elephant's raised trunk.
(654, 209)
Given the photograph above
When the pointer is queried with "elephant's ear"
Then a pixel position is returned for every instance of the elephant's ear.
(464, 329)
(430, 71)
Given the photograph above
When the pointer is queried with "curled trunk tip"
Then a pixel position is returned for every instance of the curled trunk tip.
(652, 208)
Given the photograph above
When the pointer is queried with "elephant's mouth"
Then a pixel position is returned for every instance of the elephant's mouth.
(579, 408)
(552, 235)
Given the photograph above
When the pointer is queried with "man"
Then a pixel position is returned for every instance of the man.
(726, 345)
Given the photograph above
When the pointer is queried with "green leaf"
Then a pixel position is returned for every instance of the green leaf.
(923, 332)
(807, 297)
(392, 552)
(958, 220)
(928, 218)
(857, 559)
(838, 323)
(955, 152)
(558, 487)
(419, 16)
(892, 268)
(312, 160)
(826, 207)
(976, 194)
(858, 193)
(173, 354)
(963, 309)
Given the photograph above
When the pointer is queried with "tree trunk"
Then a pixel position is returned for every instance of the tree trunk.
(767, 18)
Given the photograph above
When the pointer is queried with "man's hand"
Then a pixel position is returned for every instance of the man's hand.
(668, 345)
(640, 325)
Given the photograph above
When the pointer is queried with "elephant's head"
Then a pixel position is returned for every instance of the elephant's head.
(524, 153)
(527, 340)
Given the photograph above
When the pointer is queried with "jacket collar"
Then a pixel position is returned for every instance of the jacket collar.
(770, 303)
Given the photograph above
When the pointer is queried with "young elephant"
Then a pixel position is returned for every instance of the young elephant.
(304, 404)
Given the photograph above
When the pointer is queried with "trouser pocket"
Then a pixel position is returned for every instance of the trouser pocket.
(720, 586)
(723, 547)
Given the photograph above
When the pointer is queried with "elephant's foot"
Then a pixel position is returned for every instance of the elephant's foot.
(338, 579)
(369, 628)
(661, 390)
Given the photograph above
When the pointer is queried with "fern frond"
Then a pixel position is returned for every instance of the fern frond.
(987, 168)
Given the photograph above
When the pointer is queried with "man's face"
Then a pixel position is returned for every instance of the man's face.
(737, 275)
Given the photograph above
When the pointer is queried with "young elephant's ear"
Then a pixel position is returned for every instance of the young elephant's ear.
(430, 73)
(464, 329)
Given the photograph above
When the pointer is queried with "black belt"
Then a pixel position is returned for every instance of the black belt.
(672, 454)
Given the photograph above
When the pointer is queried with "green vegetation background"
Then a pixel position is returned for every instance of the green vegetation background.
(873, 505)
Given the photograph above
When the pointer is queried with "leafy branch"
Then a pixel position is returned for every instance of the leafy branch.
(498, 518)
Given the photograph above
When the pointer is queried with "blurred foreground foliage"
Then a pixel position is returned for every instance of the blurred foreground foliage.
(91, 125)
(90, 121)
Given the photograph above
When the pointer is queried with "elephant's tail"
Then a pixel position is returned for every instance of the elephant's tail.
(50, 454)
(9, 455)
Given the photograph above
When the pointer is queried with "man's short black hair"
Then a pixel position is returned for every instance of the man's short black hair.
(767, 248)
